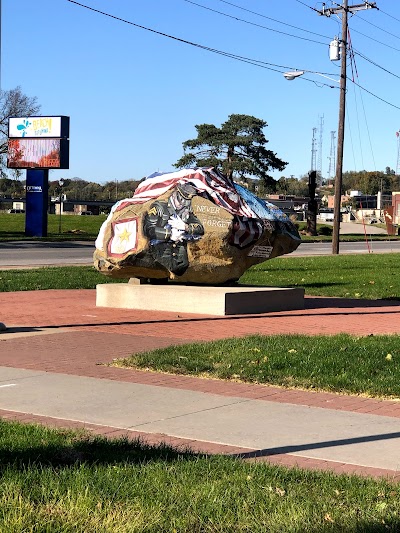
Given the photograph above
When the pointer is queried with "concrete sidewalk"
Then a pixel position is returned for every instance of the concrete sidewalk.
(52, 371)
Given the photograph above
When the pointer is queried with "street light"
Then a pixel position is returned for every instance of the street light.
(339, 160)
(293, 74)
(60, 189)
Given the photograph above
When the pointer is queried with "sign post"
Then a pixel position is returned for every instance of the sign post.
(37, 196)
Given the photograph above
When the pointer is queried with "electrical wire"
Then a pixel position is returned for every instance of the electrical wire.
(348, 125)
(376, 64)
(374, 25)
(388, 15)
(275, 20)
(253, 23)
(363, 34)
(375, 96)
(376, 40)
(304, 4)
(355, 71)
(255, 62)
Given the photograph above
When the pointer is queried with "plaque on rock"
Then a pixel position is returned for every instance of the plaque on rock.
(192, 226)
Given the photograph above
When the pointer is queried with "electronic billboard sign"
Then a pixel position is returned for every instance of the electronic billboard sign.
(33, 127)
(38, 142)
(38, 153)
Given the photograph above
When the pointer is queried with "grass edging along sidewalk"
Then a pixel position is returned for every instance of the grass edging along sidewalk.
(60, 480)
(368, 366)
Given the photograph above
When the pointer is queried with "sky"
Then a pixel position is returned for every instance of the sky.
(134, 96)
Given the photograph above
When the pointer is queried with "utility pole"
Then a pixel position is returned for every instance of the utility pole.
(344, 10)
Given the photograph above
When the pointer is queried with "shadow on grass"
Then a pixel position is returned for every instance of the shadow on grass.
(88, 450)
(389, 525)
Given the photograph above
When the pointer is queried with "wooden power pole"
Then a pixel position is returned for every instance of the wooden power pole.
(344, 10)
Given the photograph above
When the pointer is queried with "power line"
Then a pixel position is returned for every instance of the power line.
(376, 40)
(304, 4)
(376, 64)
(374, 95)
(388, 15)
(376, 26)
(255, 62)
(253, 23)
(274, 20)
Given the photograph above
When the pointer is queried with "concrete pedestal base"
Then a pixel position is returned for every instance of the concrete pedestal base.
(202, 300)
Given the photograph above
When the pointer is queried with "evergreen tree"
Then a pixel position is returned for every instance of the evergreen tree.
(237, 149)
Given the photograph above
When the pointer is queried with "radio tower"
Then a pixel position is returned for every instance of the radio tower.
(314, 150)
(319, 166)
(398, 153)
(332, 161)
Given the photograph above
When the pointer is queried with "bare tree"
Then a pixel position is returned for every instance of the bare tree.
(13, 103)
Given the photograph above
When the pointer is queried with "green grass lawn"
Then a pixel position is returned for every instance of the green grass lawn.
(34, 279)
(349, 276)
(367, 366)
(62, 481)
(372, 276)
(73, 227)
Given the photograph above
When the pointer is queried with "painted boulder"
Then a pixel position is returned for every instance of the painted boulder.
(192, 226)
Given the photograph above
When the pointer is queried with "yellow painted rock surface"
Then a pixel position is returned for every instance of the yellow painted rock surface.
(192, 226)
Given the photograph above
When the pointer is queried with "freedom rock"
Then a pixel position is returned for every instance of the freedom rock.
(191, 226)
(199, 230)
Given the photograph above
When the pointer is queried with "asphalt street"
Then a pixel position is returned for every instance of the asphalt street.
(21, 254)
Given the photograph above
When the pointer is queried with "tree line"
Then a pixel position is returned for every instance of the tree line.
(75, 189)
(237, 148)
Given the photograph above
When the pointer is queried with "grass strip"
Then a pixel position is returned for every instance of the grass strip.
(34, 279)
(341, 363)
(73, 227)
(348, 276)
(64, 481)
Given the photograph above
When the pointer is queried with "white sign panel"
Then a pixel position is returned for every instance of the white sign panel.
(34, 127)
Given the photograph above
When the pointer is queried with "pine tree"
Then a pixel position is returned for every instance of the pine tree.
(237, 149)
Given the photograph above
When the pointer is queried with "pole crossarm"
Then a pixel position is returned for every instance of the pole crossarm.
(327, 12)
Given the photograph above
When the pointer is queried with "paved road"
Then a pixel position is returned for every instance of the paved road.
(24, 253)
(28, 253)
(325, 248)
